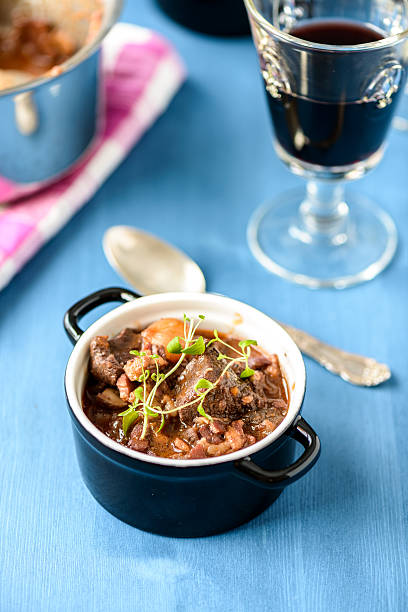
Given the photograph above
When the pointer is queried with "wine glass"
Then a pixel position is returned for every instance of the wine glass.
(333, 73)
(400, 122)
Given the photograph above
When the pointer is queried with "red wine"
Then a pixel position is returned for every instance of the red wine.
(331, 133)
(333, 32)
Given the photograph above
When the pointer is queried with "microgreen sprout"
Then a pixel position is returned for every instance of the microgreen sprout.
(143, 406)
(244, 353)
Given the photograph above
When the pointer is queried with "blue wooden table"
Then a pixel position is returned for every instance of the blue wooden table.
(335, 541)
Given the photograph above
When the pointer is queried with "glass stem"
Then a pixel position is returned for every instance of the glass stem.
(324, 212)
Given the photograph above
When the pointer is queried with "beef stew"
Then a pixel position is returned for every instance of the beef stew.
(168, 391)
(33, 46)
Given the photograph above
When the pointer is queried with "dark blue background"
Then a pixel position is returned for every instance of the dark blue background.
(335, 541)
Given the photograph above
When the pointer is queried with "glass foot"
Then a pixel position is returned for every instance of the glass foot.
(284, 243)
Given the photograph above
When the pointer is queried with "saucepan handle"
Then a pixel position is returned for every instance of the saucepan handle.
(277, 479)
(81, 308)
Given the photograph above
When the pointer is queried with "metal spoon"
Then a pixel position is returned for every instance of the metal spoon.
(151, 265)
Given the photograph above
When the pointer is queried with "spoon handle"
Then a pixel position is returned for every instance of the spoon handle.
(355, 369)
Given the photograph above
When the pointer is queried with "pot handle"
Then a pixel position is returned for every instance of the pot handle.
(81, 308)
(277, 479)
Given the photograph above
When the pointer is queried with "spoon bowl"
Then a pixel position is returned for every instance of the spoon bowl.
(149, 264)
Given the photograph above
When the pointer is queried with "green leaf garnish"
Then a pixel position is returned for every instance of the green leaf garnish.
(128, 418)
(161, 424)
(197, 348)
(222, 356)
(174, 346)
(247, 372)
(244, 343)
(186, 319)
(126, 412)
(203, 383)
(138, 395)
(151, 413)
(157, 377)
(143, 377)
(135, 352)
(203, 413)
(202, 317)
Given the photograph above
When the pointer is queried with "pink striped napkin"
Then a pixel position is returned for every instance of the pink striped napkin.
(141, 74)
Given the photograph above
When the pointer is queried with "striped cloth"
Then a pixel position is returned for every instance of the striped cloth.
(141, 74)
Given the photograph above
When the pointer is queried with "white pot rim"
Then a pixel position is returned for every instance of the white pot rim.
(223, 311)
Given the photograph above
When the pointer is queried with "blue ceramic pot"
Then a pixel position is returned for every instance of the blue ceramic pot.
(187, 498)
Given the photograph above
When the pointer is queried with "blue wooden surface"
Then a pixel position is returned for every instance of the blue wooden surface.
(335, 541)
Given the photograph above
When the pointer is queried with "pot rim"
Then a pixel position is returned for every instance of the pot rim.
(81, 55)
(177, 299)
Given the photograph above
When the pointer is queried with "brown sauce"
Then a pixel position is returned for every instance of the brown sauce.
(243, 411)
(34, 47)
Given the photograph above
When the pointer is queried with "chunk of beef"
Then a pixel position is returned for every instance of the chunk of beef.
(235, 435)
(235, 439)
(127, 340)
(125, 387)
(274, 370)
(213, 431)
(269, 425)
(265, 386)
(270, 403)
(205, 432)
(257, 359)
(135, 443)
(134, 367)
(107, 357)
(190, 435)
(181, 445)
(199, 451)
(231, 397)
(273, 410)
(103, 364)
(139, 445)
(217, 426)
(109, 398)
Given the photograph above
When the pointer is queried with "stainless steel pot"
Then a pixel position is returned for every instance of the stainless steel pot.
(48, 123)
